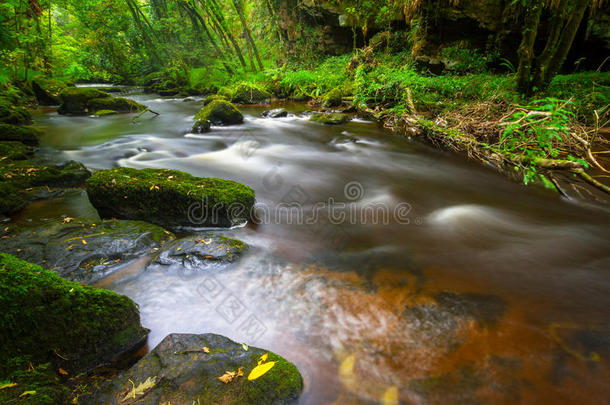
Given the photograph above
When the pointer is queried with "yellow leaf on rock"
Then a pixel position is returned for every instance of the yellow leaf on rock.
(390, 396)
(244, 346)
(62, 371)
(141, 389)
(206, 350)
(227, 377)
(9, 385)
(260, 370)
(240, 372)
(26, 393)
(84, 242)
(263, 358)
(347, 366)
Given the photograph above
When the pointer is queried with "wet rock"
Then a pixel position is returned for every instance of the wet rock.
(118, 104)
(183, 373)
(169, 197)
(275, 113)
(218, 112)
(85, 250)
(168, 92)
(13, 114)
(485, 309)
(329, 118)
(213, 97)
(47, 91)
(196, 251)
(24, 134)
(333, 98)
(47, 319)
(246, 93)
(18, 178)
(74, 99)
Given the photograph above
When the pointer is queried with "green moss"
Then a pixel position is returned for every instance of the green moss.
(218, 112)
(168, 197)
(119, 104)
(333, 98)
(45, 318)
(15, 151)
(102, 113)
(74, 99)
(47, 90)
(329, 118)
(13, 114)
(246, 93)
(214, 97)
(23, 134)
(41, 379)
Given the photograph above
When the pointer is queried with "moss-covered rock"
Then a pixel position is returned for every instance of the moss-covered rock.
(333, 98)
(10, 113)
(103, 113)
(24, 134)
(169, 197)
(119, 104)
(85, 250)
(20, 178)
(213, 97)
(47, 319)
(74, 99)
(329, 118)
(47, 90)
(246, 93)
(198, 251)
(168, 92)
(275, 113)
(183, 374)
(218, 112)
(10, 151)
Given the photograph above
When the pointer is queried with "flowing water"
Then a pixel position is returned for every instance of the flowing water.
(381, 267)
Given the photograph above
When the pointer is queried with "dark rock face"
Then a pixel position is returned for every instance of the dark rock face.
(169, 197)
(47, 319)
(275, 113)
(183, 373)
(85, 250)
(196, 251)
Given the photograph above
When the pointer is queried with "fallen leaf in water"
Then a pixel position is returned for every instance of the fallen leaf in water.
(9, 385)
(244, 346)
(206, 349)
(390, 396)
(141, 389)
(67, 219)
(260, 370)
(26, 393)
(227, 377)
(62, 371)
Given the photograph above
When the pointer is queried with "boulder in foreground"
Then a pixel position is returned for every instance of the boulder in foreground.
(85, 250)
(218, 112)
(169, 197)
(329, 118)
(87, 100)
(47, 319)
(179, 371)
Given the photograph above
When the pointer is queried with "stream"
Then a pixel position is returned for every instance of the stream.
(378, 265)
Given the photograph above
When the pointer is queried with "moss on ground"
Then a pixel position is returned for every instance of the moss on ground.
(214, 97)
(46, 319)
(10, 113)
(169, 197)
(247, 93)
(329, 118)
(333, 98)
(24, 134)
(103, 113)
(218, 112)
(12, 150)
(119, 104)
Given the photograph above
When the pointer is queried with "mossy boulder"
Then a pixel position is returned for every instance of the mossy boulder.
(19, 180)
(275, 113)
(10, 113)
(246, 93)
(47, 319)
(183, 374)
(10, 151)
(201, 250)
(74, 100)
(214, 97)
(47, 91)
(330, 118)
(218, 112)
(85, 250)
(24, 134)
(118, 104)
(169, 197)
(333, 98)
(168, 92)
(103, 113)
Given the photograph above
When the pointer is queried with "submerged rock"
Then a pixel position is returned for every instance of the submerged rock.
(218, 112)
(246, 93)
(275, 113)
(330, 118)
(85, 250)
(169, 197)
(79, 100)
(195, 251)
(183, 373)
(19, 178)
(24, 134)
(47, 319)
(333, 98)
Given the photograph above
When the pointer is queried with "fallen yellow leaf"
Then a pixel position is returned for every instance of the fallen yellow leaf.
(240, 372)
(244, 346)
(9, 385)
(206, 350)
(260, 370)
(263, 358)
(62, 371)
(84, 242)
(141, 389)
(227, 377)
(347, 366)
(390, 396)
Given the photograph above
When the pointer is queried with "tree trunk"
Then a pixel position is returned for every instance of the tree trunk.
(213, 10)
(526, 48)
(252, 46)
